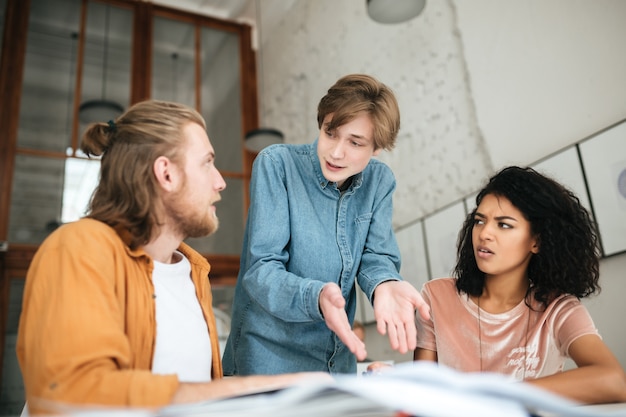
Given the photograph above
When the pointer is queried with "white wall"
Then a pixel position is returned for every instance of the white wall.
(543, 74)
(481, 84)
(609, 309)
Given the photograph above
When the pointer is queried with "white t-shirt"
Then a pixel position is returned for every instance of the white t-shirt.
(182, 345)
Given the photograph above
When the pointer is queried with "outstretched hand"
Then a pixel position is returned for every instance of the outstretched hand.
(332, 306)
(395, 303)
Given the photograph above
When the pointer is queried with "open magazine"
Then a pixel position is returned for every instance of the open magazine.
(422, 389)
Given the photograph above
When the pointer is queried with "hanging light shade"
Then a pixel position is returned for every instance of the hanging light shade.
(257, 139)
(394, 11)
(101, 110)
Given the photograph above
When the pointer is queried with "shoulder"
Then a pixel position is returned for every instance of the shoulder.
(284, 151)
(378, 175)
(283, 157)
(565, 309)
(441, 284)
(379, 167)
(83, 233)
(566, 305)
(86, 244)
(561, 303)
(440, 289)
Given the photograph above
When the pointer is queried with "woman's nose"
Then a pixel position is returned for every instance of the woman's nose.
(485, 232)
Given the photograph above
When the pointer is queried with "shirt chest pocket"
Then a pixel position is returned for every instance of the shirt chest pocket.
(362, 224)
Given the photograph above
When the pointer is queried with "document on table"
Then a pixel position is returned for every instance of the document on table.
(421, 389)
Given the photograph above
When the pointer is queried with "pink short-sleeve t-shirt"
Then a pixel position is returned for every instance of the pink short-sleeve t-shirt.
(522, 342)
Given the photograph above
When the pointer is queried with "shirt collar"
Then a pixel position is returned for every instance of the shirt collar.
(357, 179)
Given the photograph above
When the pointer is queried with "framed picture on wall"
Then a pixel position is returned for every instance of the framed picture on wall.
(565, 167)
(441, 230)
(604, 163)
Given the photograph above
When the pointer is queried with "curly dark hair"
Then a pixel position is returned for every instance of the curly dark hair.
(568, 258)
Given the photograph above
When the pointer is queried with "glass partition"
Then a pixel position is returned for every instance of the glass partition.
(49, 75)
(174, 78)
(50, 185)
(221, 96)
(173, 58)
(105, 89)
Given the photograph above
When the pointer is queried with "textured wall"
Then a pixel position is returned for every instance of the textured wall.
(439, 154)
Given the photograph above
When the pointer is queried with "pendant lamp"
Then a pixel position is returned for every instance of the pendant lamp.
(394, 11)
(102, 109)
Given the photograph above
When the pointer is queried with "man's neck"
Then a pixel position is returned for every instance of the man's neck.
(163, 247)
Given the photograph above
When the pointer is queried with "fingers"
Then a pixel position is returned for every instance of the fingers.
(377, 366)
(402, 335)
(332, 306)
(411, 335)
(350, 339)
(359, 349)
(395, 333)
(395, 316)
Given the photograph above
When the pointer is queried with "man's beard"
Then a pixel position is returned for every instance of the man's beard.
(187, 219)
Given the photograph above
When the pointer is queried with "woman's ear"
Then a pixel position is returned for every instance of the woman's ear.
(535, 247)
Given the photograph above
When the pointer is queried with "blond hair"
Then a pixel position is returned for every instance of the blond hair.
(127, 194)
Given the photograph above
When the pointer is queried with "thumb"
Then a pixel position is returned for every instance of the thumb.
(332, 292)
(420, 305)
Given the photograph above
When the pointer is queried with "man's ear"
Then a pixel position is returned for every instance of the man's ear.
(165, 172)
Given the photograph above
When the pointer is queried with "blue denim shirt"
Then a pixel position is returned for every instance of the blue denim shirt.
(302, 233)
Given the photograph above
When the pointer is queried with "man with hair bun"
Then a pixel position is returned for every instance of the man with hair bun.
(117, 310)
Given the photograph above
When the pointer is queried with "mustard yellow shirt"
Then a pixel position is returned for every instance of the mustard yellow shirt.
(87, 329)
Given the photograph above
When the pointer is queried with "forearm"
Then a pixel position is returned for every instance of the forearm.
(235, 386)
(589, 384)
(283, 294)
(424, 355)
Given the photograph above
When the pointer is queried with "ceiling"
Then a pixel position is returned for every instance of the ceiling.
(224, 9)
(269, 12)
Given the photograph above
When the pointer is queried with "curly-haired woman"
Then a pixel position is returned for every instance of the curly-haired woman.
(526, 256)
